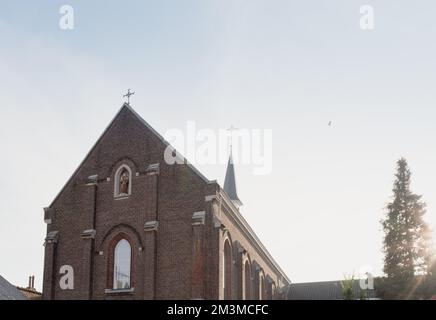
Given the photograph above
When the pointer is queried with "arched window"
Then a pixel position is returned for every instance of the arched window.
(268, 288)
(122, 265)
(247, 281)
(273, 291)
(123, 181)
(261, 287)
(227, 270)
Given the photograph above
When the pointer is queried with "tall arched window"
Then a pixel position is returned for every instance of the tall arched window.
(247, 281)
(273, 291)
(123, 181)
(261, 287)
(122, 265)
(227, 270)
(268, 288)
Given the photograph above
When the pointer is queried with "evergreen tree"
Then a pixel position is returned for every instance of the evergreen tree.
(406, 237)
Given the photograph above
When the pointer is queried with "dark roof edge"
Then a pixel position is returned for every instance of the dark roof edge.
(29, 290)
(145, 123)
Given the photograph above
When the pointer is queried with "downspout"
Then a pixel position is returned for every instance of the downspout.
(155, 239)
(94, 218)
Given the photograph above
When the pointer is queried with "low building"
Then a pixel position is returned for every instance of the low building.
(326, 290)
(30, 292)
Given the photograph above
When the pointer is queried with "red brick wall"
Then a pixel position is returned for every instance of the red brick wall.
(165, 260)
(177, 192)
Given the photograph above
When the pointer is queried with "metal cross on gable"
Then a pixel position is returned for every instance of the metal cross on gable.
(128, 94)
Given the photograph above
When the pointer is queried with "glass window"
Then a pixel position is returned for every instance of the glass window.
(227, 271)
(247, 279)
(122, 264)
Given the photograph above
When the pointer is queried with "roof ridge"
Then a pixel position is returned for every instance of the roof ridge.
(29, 290)
(185, 160)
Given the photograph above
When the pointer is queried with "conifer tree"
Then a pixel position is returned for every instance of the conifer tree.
(406, 236)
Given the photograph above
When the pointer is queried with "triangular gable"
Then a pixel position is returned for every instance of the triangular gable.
(125, 106)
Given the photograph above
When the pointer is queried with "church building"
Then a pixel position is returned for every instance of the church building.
(128, 225)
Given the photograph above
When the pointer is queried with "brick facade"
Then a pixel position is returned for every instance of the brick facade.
(174, 219)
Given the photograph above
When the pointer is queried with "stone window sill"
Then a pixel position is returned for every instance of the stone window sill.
(119, 291)
(122, 197)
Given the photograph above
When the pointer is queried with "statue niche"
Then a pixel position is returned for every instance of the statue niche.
(124, 182)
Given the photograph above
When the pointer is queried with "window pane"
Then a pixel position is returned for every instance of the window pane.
(122, 262)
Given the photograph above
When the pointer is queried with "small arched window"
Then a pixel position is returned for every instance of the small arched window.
(122, 265)
(123, 182)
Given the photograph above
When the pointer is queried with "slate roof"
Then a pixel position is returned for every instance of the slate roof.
(230, 182)
(9, 292)
(325, 290)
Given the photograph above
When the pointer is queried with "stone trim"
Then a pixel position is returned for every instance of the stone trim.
(48, 215)
(198, 218)
(92, 180)
(152, 169)
(122, 197)
(52, 237)
(151, 226)
(118, 291)
(210, 198)
(88, 234)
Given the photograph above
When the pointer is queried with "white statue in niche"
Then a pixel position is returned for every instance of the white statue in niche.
(124, 182)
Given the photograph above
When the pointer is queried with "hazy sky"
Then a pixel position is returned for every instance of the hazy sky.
(290, 66)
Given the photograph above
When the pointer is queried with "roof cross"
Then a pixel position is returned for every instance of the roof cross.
(231, 129)
(128, 94)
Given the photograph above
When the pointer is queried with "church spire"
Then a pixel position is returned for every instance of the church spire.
(230, 182)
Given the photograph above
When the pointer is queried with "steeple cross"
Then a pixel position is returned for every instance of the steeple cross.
(128, 94)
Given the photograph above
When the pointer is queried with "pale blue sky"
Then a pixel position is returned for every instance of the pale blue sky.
(287, 65)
